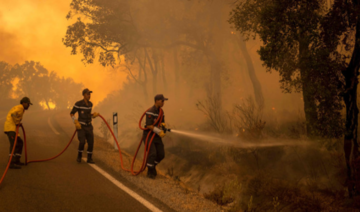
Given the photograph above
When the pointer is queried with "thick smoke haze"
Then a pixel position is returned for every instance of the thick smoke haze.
(33, 30)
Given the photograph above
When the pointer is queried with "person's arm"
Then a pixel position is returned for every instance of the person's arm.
(150, 120)
(95, 114)
(72, 115)
(15, 115)
(73, 112)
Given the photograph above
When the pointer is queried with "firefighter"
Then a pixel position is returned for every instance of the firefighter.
(83, 125)
(156, 152)
(13, 119)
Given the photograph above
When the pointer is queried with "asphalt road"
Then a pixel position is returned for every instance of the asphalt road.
(61, 184)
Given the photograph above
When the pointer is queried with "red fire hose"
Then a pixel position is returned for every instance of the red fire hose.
(147, 144)
(146, 151)
(34, 161)
(13, 149)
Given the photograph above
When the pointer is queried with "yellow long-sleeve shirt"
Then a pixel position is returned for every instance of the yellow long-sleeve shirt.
(13, 118)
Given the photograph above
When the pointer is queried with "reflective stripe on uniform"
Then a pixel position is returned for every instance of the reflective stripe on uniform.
(150, 165)
(86, 108)
(150, 113)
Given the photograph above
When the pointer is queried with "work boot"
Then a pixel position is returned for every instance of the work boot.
(18, 162)
(13, 165)
(155, 172)
(151, 173)
(89, 159)
(79, 157)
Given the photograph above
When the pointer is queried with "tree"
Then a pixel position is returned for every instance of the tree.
(66, 92)
(123, 27)
(141, 77)
(259, 98)
(39, 85)
(112, 29)
(342, 29)
(290, 32)
(326, 50)
(6, 78)
(33, 81)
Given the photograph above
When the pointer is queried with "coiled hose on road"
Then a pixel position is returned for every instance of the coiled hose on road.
(133, 172)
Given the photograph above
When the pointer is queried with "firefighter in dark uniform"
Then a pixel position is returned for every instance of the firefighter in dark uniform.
(13, 119)
(156, 152)
(83, 124)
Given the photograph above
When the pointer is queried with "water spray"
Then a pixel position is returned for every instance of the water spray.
(235, 141)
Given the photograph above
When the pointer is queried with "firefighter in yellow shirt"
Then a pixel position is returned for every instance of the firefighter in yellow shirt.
(14, 118)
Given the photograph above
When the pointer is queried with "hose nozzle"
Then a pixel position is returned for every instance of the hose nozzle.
(166, 129)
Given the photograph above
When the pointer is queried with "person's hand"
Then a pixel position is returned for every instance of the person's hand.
(95, 115)
(161, 134)
(77, 124)
(163, 124)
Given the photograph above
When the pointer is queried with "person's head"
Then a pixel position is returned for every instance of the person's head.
(25, 102)
(87, 94)
(159, 100)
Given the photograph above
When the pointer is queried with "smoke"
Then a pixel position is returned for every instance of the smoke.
(11, 49)
(33, 30)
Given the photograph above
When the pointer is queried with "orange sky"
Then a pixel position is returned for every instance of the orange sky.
(33, 30)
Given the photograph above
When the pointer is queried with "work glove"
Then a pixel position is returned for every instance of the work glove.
(162, 134)
(77, 124)
(95, 115)
(159, 132)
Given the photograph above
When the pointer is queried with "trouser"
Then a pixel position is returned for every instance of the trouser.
(156, 152)
(19, 145)
(86, 134)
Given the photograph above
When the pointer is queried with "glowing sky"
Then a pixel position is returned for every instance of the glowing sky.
(33, 30)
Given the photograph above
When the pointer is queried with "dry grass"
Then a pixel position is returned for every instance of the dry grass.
(262, 193)
(248, 121)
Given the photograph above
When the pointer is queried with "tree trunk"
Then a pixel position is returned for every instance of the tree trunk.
(162, 64)
(216, 79)
(154, 71)
(308, 94)
(143, 83)
(155, 75)
(351, 146)
(259, 98)
(214, 88)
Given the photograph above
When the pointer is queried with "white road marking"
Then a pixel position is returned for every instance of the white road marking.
(53, 129)
(124, 188)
